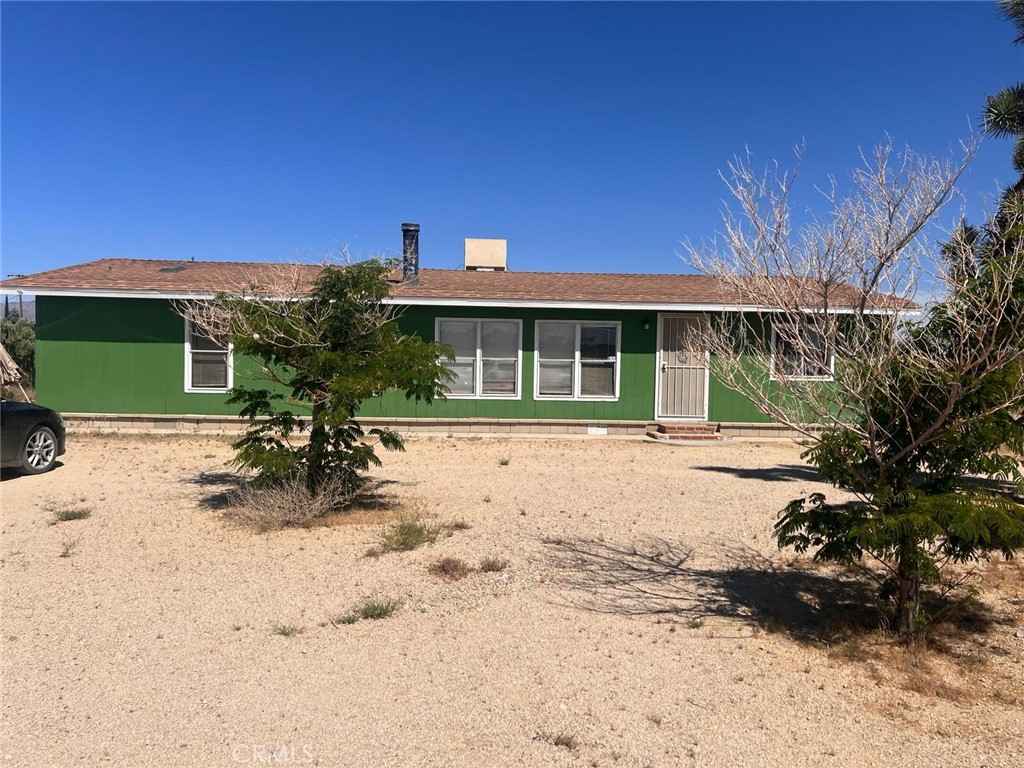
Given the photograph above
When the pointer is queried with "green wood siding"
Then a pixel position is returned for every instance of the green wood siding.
(636, 382)
(118, 356)
(726, 405)
(101, 355)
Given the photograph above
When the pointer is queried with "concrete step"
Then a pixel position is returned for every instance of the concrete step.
(674, 428)
(670, 436)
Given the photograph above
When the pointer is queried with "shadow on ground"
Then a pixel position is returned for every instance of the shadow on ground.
(218, 488)
(811, 603)
(655, 578)
(779, 473)
(13, 474)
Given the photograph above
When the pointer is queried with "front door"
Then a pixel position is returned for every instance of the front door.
(682, 374)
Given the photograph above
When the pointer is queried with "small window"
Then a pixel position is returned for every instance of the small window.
(487, 354)
(801, 351)
(208, 362)
(577, 360)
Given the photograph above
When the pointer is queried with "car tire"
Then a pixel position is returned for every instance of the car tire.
(40, 451)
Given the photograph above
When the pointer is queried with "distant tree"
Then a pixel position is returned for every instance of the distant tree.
(1004, 111)
(18, 337)
(900, 409)
(330, 345)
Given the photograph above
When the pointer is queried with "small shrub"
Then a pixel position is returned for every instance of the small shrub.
(504, 461)
(564, 740)
(459, 525)
(287, 630)
(449, 568)
(370, 610)
(265, 506)
(493, 564)
(695, 623)
(68, 547)
(63, 513)
(408, 533)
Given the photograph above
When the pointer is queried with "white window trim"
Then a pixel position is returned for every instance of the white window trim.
(188, 367)
(771, 363)
(478, 368)
(576, 377)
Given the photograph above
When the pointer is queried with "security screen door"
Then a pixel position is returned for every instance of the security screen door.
(682, 375)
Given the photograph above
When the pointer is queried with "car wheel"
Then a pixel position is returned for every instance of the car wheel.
(40, 452)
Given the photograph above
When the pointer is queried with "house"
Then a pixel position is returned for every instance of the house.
(535, 351)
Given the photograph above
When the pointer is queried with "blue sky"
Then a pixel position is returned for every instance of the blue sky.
(588, 135)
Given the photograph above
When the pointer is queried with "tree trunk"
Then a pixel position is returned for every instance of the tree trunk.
(908, 597)
(317, 450)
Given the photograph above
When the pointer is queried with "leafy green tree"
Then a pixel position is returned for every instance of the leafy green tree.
(914, 406)
(330, 346)
(919, 503)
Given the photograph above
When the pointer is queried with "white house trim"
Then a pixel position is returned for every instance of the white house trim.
(415, 301)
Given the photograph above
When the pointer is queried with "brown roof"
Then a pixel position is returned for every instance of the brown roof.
(563, 286)
(148, 276)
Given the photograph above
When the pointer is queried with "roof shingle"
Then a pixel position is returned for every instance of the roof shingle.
(142, 277)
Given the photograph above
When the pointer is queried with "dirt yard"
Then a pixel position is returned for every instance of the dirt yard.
(644, 618)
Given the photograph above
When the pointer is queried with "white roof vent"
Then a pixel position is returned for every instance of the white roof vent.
(483, 255)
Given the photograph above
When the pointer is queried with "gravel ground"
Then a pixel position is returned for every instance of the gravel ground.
(645, 618)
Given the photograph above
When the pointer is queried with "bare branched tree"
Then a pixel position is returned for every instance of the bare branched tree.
(831, 291)
(827, 337)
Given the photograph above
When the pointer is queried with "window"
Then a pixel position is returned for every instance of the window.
(800, 351)
(577, 360)
(208, 362)
(486, 356)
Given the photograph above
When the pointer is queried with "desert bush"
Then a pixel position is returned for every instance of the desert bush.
(68, 547)
(450, 568)
(64, 512)
(269, 506)
(408, 533)
(564, 740)
(287, 630)
(369, 610)
(493, 564)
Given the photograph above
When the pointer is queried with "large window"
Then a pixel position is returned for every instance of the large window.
(487, 356)
(577, 360)
(800, 351)
(207, 362)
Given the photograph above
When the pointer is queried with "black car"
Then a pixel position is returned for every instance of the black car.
(31, 436)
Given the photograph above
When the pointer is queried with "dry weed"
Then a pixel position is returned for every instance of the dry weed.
(493, 564)
(564, 740)
(288, 504)
(450, 568)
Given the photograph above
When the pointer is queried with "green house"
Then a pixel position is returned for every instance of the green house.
(535, 351)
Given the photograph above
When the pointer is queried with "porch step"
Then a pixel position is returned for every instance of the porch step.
(686, 431)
